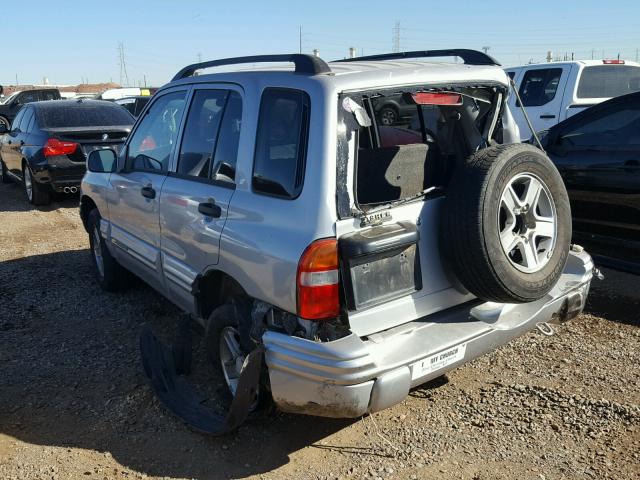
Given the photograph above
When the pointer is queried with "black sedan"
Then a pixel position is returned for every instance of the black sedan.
(48, 143)
(597, 153)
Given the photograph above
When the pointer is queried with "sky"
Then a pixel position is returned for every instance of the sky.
(74, 41)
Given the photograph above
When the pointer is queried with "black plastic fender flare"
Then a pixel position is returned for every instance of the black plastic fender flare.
(184, 400)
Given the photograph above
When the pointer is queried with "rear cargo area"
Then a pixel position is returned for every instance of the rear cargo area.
(398, 153)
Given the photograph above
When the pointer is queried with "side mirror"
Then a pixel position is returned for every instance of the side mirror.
(102, 161)
(3, 128)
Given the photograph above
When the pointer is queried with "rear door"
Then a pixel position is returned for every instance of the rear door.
(598, 156)
(541, 90)
(134, 203)
(196, 195)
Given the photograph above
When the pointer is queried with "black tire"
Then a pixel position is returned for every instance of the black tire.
(40, 194)
(6, 121)
(4, 176)
(228, 315)
(112, 277)
(388, 116)
(471, 225)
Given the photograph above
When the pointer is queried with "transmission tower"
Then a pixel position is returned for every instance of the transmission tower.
(123, 64)
(396, 38)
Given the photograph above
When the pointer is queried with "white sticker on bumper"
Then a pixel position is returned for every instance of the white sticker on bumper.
(440, 360)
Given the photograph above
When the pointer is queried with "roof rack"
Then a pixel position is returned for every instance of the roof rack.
(304, 63)
(469, 57)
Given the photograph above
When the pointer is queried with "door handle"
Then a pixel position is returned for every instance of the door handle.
(21, 142)
(148, 192)
(210, 209)
(547, 116)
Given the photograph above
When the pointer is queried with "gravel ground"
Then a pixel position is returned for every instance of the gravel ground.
(74, 402)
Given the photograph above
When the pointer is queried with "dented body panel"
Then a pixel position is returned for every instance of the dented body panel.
(356, 375)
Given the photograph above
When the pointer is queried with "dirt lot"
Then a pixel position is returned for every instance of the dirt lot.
(74, 402)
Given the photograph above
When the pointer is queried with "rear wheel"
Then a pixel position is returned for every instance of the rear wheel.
(507, 224)
(5, 121)
(110, 274)
(225, 348)
(37, 194)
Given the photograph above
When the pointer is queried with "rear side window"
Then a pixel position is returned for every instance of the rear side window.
(226, 155)
(74, 114)
(25, 120)
(607, 81)
(200, 133)
(49, 95)
(281, 143)
(615, 128)
(539, 86)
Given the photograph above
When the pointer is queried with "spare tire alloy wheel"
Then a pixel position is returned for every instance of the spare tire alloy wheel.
(507, 224)
(527, 223)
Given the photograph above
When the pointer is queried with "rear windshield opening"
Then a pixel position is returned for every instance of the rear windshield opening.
(608, 81)
(409, 148)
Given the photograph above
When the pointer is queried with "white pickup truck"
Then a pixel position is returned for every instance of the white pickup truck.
(552, 92)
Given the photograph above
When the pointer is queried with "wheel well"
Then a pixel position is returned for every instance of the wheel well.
(86, 205)
(212, 290)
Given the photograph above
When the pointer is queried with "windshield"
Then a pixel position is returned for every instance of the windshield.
(9, 98)
(84, 115)
(608, 81)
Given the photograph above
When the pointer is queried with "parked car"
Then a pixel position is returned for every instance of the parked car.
(598, 155)
(267, 205)
(135, 105)
(553, 92)
(10, 105)
(48, 142)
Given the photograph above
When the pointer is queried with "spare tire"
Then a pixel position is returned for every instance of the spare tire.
(506, 227)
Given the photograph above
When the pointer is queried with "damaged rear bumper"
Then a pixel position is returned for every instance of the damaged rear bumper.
(352, 376)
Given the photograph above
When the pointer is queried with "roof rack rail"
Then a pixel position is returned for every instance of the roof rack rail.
(309, 64)
(470, 57)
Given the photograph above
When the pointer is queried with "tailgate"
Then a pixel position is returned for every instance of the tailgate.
(401, 278)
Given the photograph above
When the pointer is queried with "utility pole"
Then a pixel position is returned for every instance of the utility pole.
(593, 53)
(486, 49)
(145, 79)
(300, 39)
(199, 57)
(17, 79)
(636, 55)
(396, 38)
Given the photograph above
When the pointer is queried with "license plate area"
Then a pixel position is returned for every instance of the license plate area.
(380, 265)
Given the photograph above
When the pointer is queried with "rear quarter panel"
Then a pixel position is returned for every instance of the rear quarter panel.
(265, 236)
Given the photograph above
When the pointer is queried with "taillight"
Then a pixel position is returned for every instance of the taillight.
(436, 98)
(613, 62)
(56, 147)
(317, 282)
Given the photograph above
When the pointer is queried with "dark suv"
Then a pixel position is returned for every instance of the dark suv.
(11, 105)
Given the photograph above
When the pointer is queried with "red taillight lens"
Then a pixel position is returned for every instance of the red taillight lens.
(613, 62)
(56, 147)
(433, 98)
(318, 294)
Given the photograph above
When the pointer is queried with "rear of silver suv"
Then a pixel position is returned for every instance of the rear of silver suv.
(364, 257)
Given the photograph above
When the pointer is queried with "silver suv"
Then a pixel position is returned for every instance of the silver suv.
(363, 256)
